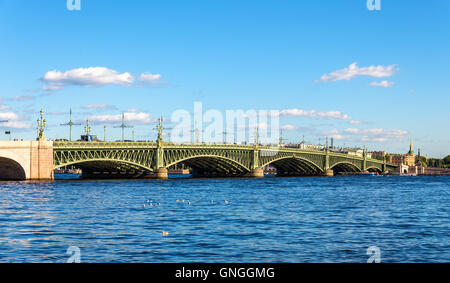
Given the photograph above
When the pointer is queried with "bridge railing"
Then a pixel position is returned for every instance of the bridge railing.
(83, 144)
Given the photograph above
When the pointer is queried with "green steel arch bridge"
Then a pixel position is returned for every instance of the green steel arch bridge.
(212, 160)
(220, 160)
(38, 159)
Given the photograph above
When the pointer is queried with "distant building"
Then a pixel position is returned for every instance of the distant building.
(358, 152)
(396, 158)
(378, 154)
(410, 158)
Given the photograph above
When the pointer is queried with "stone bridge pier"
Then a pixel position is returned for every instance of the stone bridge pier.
(26, 160)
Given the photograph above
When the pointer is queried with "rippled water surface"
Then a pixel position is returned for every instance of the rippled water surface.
(265, 220)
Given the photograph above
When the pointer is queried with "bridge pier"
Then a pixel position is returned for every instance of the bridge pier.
(257, 173)
(329, 173)
(161, 174)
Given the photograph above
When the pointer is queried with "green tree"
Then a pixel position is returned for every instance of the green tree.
(423, 161)
(447, 160)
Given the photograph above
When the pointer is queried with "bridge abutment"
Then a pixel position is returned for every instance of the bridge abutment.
(35, 158)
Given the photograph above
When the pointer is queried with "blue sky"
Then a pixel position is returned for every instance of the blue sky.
(232, 55)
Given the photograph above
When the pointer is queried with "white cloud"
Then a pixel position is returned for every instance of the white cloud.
(334, 133)
(92, 77)
(99, 106)
(377, 134)
(14, 121)
(3, 107)
(52, 87)
(353, 71)
(289, 127)
(314, 114)
(130, 117)
(23, 98)
(363, 131)
(15, 125)
(9, 116)
(382, 84)
(355, 122)
(260, 126)
(337, 137)
(149, 78)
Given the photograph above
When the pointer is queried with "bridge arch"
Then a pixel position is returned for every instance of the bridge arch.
(294, 166)
(345, 166)
(108, 163)
(11, 170)
(212, 165)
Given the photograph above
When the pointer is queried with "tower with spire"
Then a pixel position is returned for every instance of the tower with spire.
(410, 158)
(411, 151)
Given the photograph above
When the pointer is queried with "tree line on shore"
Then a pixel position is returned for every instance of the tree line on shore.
(436, 162)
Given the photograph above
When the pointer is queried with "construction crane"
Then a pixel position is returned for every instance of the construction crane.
(70, 124)
(123, 126)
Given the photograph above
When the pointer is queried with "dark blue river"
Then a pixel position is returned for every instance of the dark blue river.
(227, 220)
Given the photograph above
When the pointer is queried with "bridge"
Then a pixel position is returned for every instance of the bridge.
(21, 160)
(220, 160)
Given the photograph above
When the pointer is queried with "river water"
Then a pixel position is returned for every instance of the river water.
(315, 219)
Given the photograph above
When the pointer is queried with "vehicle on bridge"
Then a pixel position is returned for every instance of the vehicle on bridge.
(89, 138)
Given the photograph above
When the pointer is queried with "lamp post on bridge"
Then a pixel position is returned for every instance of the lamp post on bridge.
(160, 170)
(328, 171)
(70, 124)
(42, 123)
(365, 159)
(280, 143)
(87, 129)
(224, 134)
(160, 130)
(257, 171)
(123, 126)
